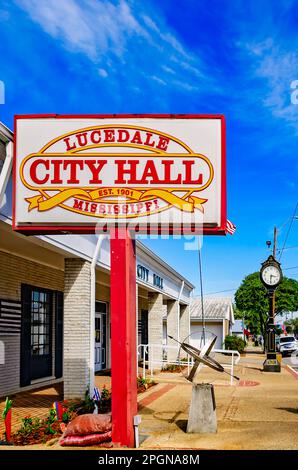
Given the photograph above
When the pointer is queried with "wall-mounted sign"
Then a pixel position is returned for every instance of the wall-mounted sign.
(144, 274)
(155, 173)
(157, 281)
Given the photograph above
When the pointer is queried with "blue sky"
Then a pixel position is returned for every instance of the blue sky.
(237, 58)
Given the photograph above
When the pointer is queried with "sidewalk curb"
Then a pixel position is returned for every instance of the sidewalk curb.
(292, 371)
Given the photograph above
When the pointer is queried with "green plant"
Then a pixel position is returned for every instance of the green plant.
(37, 430)
(141, 381)
(234, 343)
(84, 406)
(184, 359)
(171, 368)
(144, 383)
(105, 394)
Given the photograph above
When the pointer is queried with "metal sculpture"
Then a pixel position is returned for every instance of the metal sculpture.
(202, 357)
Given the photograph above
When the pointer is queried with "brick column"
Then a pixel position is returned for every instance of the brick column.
(173, 328)
(76, 353)
(184, 325)
(155, 304)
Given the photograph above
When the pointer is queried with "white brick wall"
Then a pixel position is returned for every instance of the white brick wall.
(76, 327)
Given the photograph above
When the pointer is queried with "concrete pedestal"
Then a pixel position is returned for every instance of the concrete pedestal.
(202, 413)
(271, 365)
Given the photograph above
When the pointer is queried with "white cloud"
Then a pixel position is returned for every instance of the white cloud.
(277, 65)
(158, 80)
(102, 73)
(87, 26)
(116, 35)
(168, 69)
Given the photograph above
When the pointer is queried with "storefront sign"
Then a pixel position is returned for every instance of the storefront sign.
(144, 274)
(155, 173)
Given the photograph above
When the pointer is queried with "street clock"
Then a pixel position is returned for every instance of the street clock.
(271, 273)
(271, 277)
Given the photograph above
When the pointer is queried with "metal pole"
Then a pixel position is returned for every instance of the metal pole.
(92, 312)
(271, 332)
(202, 298)
(271, 364)
(275, 242)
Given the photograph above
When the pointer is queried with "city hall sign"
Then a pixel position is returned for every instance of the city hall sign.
(153, 173)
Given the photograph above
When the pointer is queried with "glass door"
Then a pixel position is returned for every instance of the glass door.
(100, 336)
(41, 333)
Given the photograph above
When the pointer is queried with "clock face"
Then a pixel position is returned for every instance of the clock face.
(271, 275)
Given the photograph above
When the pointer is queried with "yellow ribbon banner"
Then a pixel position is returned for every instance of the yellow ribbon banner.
(186, 203)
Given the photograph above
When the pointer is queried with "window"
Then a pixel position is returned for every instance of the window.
(40, 323)
(100, 307)
(287, 339)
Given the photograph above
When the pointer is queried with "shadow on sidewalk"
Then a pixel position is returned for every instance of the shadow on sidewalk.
(253, 351)
(182, 424)
(259, 369)
(290, 410)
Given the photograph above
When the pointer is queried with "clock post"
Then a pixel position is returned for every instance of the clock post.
(271, 277)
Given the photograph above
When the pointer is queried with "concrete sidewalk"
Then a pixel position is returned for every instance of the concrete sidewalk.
(260, 412)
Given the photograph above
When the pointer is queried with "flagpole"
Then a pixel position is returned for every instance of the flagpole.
(202, 298)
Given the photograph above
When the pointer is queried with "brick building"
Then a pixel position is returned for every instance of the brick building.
(45, 291)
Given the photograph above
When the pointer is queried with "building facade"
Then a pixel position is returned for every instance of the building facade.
(218, 317)
(45, 296)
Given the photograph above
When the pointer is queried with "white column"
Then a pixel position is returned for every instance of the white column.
(155, 303)
(184, 324)
(77, 330)
(173, 329)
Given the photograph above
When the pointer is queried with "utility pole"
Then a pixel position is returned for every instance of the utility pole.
(274, 242)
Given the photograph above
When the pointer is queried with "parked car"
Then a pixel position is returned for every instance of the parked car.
(287, 344)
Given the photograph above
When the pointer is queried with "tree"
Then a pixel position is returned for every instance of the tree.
(295, 326)
(252, 302)
(292, 326)
(289, 326)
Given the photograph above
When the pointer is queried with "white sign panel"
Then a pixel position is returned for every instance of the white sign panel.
(153, 173)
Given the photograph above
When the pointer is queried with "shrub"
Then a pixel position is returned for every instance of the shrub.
(171, 368)
(144, 384)
(234, 343)
(36, 430)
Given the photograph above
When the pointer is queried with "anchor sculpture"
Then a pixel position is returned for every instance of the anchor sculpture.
(202, 357)
(202, 413)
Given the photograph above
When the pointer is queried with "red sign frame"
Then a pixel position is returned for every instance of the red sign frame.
(153, 229)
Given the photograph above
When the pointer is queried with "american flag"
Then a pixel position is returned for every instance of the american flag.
(96, 395)
(230, 227)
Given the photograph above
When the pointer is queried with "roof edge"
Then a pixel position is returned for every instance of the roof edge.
(151, 253)
(5, 133)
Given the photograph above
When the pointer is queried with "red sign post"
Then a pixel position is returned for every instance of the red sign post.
(123, 335)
